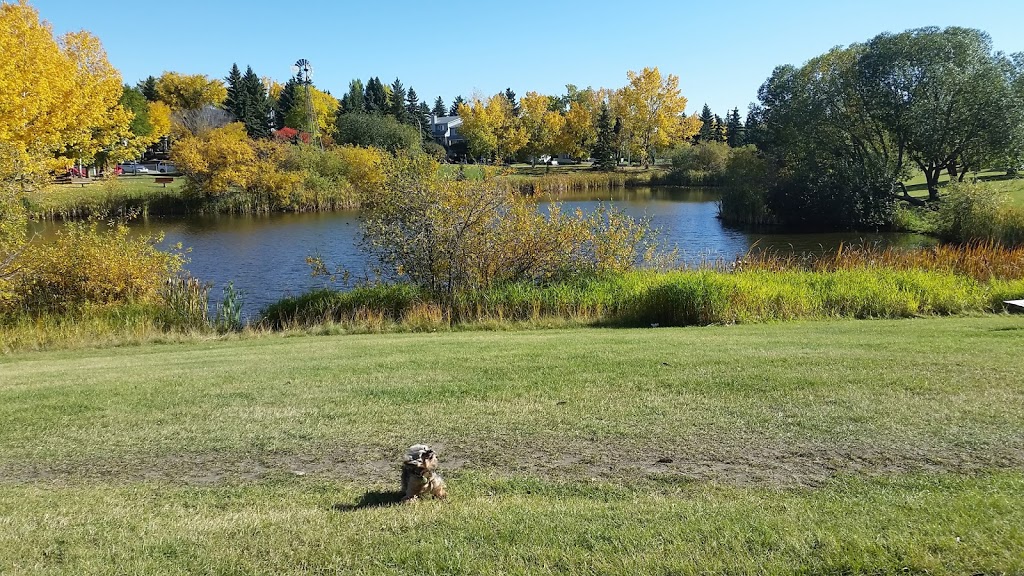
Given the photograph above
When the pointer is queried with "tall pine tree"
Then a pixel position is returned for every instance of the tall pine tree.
(455, 105)
(511, 96)
(148, 88)
(285, 102)
(720, 133)
(439, 109)
(256, 107)
(604, 147)
(735, 133)
(707, 127)
(235, 102)
(354, 100)
(376, 98)
(396, 105)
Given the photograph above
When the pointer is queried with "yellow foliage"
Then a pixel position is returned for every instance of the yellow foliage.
(364, 168)
(543, 127)
(325, 109)
(491, 128)
(159, 119)
(57, 96)
(226, 159)
(650, 108)
(189, 91)
(579, 131)
(90, 264)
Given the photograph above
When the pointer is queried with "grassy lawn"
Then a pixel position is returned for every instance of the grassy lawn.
(103, 195)
(827, 447)
(1013, 187)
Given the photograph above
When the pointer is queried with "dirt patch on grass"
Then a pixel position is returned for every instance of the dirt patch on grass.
(749, 465)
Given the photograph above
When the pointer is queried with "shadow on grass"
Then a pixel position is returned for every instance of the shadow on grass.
(372, 499)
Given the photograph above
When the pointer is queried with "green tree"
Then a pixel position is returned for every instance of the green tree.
(354, 100)
(396, 103)
(256, 105)
(604, 148)
(943, 96)
(235, 102)
(375, 100)
(380, 131)
(134, 101)
(735, 133)
(439, 108)
(511, 96)
(707, 126)
(284, 103)
(459, 101)
(148, 88)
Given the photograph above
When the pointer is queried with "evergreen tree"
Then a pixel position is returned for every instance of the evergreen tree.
(707, 128)
(439, 109)
(604, 147)
(148, 88)
(455, 105)
(285, 102)
(255, 105)
(735, 133)
(396, 105)
(512, 100)
(235, 102)
(719, 133)
(376, 98)
(424, 111)
(752, 127)
(412, 105)
(355, 100)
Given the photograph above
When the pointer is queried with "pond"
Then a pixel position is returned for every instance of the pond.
(265, 256)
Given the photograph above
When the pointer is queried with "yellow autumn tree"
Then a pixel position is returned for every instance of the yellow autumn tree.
(579, 131)
(543, 126)
(491, 128)
(58, 97)
(189, 91)
(225, 159)
(325, 110)
(159, 119)
(650, 107)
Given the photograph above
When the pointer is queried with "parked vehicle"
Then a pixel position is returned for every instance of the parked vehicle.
(133, 168)
(166, 168)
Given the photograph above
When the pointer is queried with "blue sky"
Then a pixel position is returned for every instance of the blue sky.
(722, 51)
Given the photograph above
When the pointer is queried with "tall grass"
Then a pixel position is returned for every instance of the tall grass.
(578, 181)
(680, 298)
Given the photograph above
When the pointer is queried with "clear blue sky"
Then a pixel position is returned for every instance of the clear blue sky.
(722, 51)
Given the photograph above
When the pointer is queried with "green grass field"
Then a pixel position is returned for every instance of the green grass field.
(995, 180)
(830, 447)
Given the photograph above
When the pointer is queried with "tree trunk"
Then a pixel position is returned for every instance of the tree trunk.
(931, 175)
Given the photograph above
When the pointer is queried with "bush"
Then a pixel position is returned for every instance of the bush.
(376, 130)
(448, 235)
(89, 264)
(744, 196)
(971, 212)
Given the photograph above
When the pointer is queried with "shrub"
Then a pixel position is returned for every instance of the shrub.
(449, 235)
(380, 131)
(90, 264)
(744, 195)
(978, 213)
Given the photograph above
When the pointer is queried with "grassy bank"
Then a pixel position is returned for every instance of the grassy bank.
(684, 298)
(896, 447)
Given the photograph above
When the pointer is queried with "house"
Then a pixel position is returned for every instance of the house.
(445, 130)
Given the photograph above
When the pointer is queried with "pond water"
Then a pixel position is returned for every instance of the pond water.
(265, 256)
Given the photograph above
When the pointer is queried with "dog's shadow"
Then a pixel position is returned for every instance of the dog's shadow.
(372, 499)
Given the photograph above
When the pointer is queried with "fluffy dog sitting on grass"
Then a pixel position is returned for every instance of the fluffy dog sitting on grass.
(419, 476)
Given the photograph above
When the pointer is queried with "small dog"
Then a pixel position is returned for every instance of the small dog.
(419, 476)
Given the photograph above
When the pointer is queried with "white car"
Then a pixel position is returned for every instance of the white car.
(166, 168)
(133, 168)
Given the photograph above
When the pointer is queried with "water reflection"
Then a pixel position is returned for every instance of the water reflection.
(265, 256)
